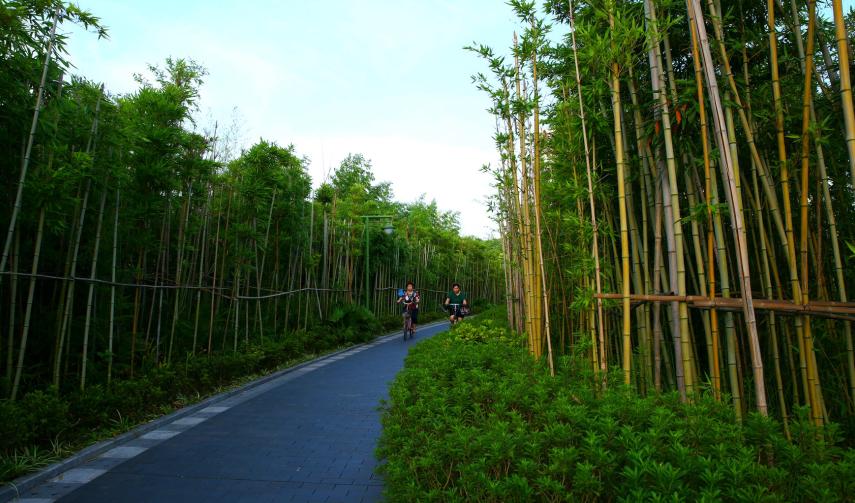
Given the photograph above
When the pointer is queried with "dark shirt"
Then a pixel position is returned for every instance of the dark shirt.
(456, 298)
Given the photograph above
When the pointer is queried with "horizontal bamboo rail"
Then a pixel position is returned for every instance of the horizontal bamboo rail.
(417, 289)
(822, 309)
(205, 288)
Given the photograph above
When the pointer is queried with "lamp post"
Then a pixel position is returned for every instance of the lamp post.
(388, 229)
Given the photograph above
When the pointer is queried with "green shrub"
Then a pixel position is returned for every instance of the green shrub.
(472, 417)
(46, 416)
(13, 426)
(353, 324)
(492, 325)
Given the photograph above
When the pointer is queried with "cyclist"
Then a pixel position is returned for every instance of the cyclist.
(410, 298)
(456, 301)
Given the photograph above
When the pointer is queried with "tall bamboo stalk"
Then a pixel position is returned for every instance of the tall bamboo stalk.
(69, 297)
(845, 84)
(641, 248)
(532, 321)
(537, 211)
(779, 112)
(734, 204)
(594, 226)
(13, 299)
(137, 307)
(16, 208)
(113, 291)
(203, 256)
(259, 274)
(22, 349)
(674, 229)
(715, 350)
(838, 263)
(160, 275)
(222, 273)
(182, 231)
(813, 372)
(90, 297)
(624, 232)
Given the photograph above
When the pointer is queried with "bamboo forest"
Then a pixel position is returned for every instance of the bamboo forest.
(660, 314)
(683, 211)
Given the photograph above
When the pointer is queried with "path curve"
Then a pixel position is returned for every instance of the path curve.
(305, 435)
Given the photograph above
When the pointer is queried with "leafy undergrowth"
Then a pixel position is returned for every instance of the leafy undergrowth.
(472, 417)
(45, 426)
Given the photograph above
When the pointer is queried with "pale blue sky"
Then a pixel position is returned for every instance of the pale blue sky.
(387, 79)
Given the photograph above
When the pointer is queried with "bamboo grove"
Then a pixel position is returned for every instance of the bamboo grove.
(675, 193)
(136, 241)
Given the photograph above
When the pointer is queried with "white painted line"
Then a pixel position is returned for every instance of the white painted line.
(160, 434)
(34, 500)
(190, 421)
(123, 452)
(215, 410)
(78, 475)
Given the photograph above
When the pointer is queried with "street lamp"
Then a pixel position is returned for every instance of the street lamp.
(388, 230)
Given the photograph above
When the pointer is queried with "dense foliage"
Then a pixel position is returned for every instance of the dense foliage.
(675, 191)
(472, 417)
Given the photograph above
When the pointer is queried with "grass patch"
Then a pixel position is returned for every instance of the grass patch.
(472, 417)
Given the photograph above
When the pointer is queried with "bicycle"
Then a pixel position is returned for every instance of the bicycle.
(457, 311)
(408, 320)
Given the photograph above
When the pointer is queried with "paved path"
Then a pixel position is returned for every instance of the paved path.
(307, 435)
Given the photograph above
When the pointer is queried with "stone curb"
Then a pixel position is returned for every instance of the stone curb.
(13, 489)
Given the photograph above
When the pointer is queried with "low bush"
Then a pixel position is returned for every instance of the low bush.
(37, 419)
(472, 417)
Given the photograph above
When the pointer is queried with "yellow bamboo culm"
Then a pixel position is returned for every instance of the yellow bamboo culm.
(845, 83)
(716, 366)
(624, 232)
(782, 159)
(599, 341)
(530, 279)
(813, 375)
(514, 207)
(731, 190)
(659, 95)
(537, 213)
(849, 122)
(790, 248)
